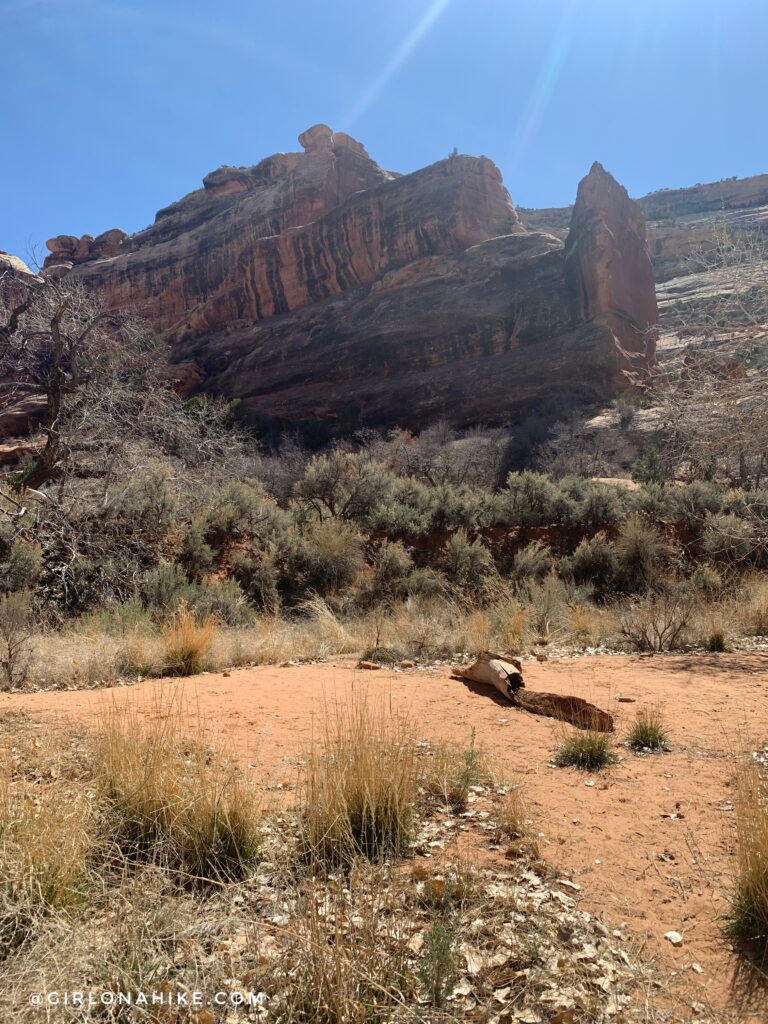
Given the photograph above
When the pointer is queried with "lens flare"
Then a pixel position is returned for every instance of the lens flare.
(396, 61)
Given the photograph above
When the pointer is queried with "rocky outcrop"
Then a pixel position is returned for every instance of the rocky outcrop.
(319, 285)
(608, 268)
(681, 222)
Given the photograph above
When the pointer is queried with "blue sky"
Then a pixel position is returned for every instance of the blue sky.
(113, 108)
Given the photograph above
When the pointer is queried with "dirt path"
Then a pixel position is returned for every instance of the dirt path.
(650, 841)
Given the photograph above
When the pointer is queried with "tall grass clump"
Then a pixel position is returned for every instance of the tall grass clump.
(172, 801)
(187, 641)
(45, 842)
(648, 731)
(588, 749)
(749, 902)
(360, 789)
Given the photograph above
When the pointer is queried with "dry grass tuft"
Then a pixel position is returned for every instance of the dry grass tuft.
(585, 748)
(360, 788)
(46, 838)
(749, 910)
(447, 774)
(187, 642)
(648, 731)
(344, 970)
(512, 816)
(172, 801)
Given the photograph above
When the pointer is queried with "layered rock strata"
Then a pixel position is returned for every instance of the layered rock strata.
(319, 285)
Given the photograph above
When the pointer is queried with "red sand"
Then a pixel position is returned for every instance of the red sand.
(643, 869)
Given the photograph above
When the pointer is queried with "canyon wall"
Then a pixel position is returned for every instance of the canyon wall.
(318, 285)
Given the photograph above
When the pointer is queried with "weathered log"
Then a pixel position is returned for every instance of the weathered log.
(506, 675)
(566, 709)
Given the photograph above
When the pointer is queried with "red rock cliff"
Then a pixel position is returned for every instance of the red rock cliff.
(316, 282)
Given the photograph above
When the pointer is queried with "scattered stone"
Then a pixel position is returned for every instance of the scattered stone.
(407, 663)
(675, 938)
(370, 666)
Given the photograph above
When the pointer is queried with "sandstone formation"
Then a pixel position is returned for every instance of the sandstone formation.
(681, 221)
(317, 285)
(607, 266)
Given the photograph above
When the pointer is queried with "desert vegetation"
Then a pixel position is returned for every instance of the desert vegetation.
(143, 534)
(325, 909)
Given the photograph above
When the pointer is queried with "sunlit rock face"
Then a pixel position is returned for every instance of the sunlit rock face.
(319, 285)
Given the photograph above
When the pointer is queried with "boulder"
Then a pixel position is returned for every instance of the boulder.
(317, 138)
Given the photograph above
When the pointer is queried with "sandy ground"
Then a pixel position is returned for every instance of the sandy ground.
(650, 841)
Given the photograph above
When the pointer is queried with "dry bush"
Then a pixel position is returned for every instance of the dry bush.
(15, 638)
(660, 621)
(187, 642)
(360, 789)
(46, 838)
(749, 910)
(753, 608)
(588, 625)
(648, 731)
(171, 800)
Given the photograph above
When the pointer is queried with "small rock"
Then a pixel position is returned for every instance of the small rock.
(675, 938)
(407, 664)
(371, 666)
(697, 968)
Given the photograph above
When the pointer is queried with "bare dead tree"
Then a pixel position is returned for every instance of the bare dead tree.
(103, 388)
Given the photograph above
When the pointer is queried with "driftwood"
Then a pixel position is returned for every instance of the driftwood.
(506, 675)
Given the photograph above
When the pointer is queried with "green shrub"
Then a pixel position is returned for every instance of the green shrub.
(223, 600)
(697, 500)
(392, 567)
(587, 749)
(344, 485)
(468, 565)
(602, 505)
(656, 502)
(325, 559)
(197, 556)
(167, 586)
(454, 508)
(728, 539)
(534, 561)
(706, 579)
(241, 512)
(650, 468)
(406, 510)
(594, 562)
(532, 499)
(258, 576)
(641, 551)
(21, 570)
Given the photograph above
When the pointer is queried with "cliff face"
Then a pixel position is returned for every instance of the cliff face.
(317, 284)
(608, 268)
(681, 222)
